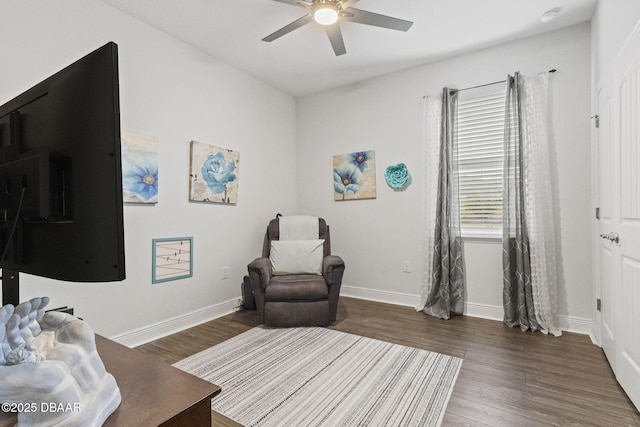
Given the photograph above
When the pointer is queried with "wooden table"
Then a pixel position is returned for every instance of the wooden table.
(153, 392)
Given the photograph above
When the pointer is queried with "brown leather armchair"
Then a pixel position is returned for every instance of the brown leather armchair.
(300, 298)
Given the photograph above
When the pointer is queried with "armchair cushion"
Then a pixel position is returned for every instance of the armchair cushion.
(296, 256)
(298, 227)
(298, 287)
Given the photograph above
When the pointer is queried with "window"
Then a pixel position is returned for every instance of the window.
(480, 152)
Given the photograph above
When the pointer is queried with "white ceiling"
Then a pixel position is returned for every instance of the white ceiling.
(303, 61)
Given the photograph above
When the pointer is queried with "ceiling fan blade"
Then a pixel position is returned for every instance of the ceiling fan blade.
(288, 28)
(296, 2)
(348, 3)
(335, 37)
(375, 19)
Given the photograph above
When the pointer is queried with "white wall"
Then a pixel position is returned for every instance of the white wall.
(376, 236)
(178, 94)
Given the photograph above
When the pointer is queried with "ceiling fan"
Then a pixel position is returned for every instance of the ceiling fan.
(328, 13)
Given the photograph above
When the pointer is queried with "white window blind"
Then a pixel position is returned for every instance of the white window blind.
(480, 150)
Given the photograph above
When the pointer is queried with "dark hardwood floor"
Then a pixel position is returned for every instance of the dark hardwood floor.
(508, 377)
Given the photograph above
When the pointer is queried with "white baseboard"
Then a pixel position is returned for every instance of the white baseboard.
(577, 325)
(158, 330)
(389, 297)
(161, 329)
(484, 311)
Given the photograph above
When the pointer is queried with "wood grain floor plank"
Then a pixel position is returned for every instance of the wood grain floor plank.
(498, 417)
(556, 407)
(508, 377)
(453, 420)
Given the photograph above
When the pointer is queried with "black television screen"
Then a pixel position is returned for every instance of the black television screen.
(60, 175)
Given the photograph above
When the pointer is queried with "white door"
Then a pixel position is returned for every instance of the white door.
(619, 249)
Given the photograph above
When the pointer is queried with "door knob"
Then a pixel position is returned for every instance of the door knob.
(612, 237)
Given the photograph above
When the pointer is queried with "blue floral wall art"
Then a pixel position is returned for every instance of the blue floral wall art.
(397, 176)
(214, 174)
(354, 175)
(139, 167)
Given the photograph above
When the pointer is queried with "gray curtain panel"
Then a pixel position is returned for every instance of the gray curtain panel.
(517, 292)
(446, 295)
(531, 227)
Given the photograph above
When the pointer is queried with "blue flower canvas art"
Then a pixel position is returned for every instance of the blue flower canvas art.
(214, 174)
(354, 175)
(139, 167)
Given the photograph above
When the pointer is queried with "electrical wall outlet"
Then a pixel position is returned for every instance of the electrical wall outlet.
(406, 266)
(225, 272)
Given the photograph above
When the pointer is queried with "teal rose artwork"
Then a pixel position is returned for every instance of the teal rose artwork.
(397, 176)
(139, 168)
(354, 175)
(214, 174)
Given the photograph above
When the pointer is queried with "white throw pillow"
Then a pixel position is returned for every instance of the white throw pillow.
(297, 256)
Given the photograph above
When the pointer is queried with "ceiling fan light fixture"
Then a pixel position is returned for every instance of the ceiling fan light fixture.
(329, 13)
(326, 13)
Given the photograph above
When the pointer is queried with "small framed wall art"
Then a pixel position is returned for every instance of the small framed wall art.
(172, 259)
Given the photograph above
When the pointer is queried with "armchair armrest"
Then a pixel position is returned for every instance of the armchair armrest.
(332, 269)
(260, 268)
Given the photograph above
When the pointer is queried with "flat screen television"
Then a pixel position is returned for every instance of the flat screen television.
(61, 213)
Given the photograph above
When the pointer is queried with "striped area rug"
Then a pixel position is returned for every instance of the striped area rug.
(322, 377)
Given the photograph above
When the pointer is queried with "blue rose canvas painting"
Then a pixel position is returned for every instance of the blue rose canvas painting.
(139, 167)
(354, 175)
(214, 174)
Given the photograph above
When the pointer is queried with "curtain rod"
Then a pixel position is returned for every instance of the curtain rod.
(553, 70)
